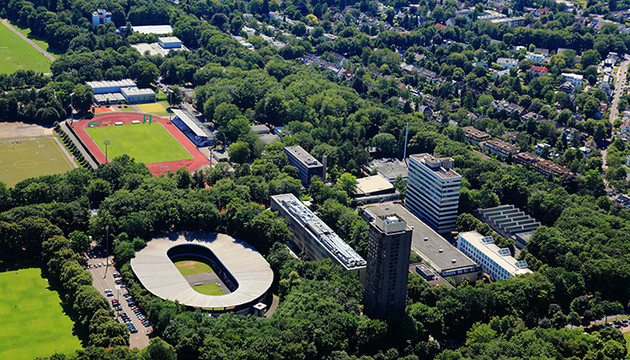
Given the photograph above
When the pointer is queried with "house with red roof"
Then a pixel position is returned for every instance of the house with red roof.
(539, 70)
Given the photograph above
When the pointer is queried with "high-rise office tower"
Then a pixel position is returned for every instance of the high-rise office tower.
(385, 290)
(433, 191)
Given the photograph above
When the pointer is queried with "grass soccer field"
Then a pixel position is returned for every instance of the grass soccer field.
(16, 54)
(24, 159)
(209, 289)
(189, 267)
(33, 323)
(147, 143)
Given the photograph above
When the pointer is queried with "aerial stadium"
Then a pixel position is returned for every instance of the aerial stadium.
(238, 277)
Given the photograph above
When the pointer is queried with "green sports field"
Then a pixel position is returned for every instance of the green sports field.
(147, 143)
(209, 289)
(23, 159)
(189, 267)
(33, 323)
(16, 53)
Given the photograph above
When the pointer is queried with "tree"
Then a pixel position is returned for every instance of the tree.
(175, 95)
(480, 333)
(239, 152)
(144, 73)
(347, 183)
(159, 349)
(83, 98)
(385, 144)
(590, 57)
(123, 252)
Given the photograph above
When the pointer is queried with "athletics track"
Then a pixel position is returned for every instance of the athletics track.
(199, 160)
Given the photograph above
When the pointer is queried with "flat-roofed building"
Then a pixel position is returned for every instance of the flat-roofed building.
(433, 191)
(110, 86)
(373, 189)
(439, 254)
(134, 95)
(306, 164)
(313, 237)
(508, 221)
(385, 290)
(500, 148)
(525, 158)
(169, 42)
(475, 136)
(549, 168)
(496, 262)
(153, 29)
(389, 168)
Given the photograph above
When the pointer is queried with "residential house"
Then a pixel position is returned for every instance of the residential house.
(525, 158)
(549, 168)
(475, 136)
(500, 148)
(507, 63)
(539, 70)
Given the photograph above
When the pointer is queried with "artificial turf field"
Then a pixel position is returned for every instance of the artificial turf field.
(33, 323)
(147, 143)
(16, 54)
(23, 159)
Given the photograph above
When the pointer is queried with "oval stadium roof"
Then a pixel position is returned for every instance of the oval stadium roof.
(160, 276)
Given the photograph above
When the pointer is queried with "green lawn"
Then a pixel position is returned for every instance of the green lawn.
(189, 267)
(30, 158)
(37, 40)
(16, 54)
(209, 289)
(627, 337)
(147, 143)
(33, 323)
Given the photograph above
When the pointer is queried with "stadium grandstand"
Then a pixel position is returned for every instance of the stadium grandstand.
(245, 273)
(193, 131)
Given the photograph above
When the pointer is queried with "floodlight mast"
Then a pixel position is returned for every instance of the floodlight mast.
(71, 109)
(106, 142)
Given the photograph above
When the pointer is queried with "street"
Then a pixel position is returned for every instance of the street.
(101, 281)
(620, 84)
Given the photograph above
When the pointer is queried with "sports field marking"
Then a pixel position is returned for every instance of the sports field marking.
(147, 143)
(23, 159)
(189, 267)
(33, 323)
(209, 289)
(18, 54)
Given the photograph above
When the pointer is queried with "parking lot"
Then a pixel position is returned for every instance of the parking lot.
(103, 279)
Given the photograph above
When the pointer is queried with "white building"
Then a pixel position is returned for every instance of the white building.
(101, 16)
(433, 191)
(496, 262)
(169, 42)
(575, 79)
(536, 57)
(507, 63)
(110, 86)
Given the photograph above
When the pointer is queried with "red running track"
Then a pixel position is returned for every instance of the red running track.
(199, 160)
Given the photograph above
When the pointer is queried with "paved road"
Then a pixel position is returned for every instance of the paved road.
(620, 83)
(5, 22)
(77, 143)
(101, 281)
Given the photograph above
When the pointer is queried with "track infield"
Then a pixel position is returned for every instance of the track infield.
(209, 289)
(33, 323)
(23, 159)
(190, 267)
(147, 143)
